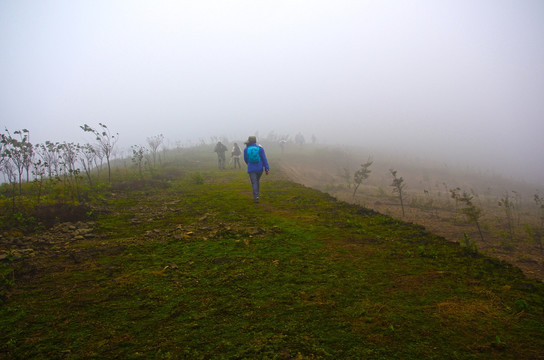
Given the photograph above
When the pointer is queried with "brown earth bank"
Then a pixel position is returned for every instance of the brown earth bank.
(523, 253)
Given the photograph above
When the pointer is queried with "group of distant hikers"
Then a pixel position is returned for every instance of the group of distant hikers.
(254, 157)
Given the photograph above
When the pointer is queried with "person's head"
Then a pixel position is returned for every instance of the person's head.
(251, 140)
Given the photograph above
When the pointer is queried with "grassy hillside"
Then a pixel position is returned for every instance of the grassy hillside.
(186, 266)
(514, 233)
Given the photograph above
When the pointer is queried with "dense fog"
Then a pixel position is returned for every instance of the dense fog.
(458, 81)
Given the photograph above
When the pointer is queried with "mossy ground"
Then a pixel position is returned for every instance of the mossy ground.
(195, 270)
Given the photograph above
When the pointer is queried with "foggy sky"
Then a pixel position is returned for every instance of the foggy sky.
(452, 79)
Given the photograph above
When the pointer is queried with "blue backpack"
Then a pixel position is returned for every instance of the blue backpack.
(253, 154)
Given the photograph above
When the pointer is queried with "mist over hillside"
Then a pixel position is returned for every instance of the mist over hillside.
(431, 167)
(455, 82)
(421, 173)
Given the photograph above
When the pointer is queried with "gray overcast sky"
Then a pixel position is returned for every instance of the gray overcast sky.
(442, 78)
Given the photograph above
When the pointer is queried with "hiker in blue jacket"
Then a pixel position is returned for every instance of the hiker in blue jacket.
(256, 161)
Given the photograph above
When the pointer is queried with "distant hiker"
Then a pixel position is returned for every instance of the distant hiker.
(256, 161)
(299, 139)
(282, 144)
(220, 149)
(235, 154)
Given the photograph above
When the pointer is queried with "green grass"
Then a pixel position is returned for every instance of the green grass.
(198, 271)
